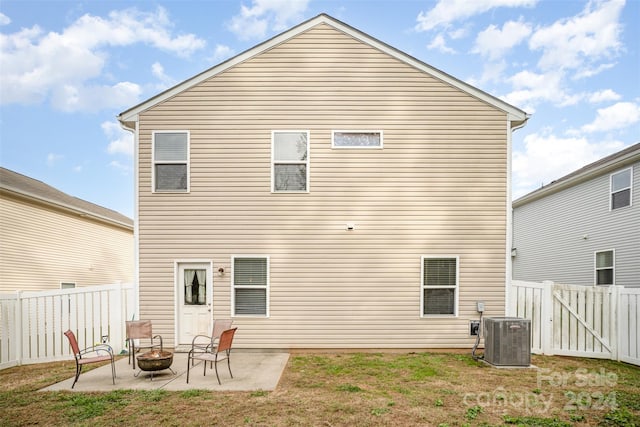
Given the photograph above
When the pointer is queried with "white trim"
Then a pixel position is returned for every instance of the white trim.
(136, 213)
(595, 267)
(307, 162)
(514, 114)
(456, 287)
(267, 287)
(357, 147)
(630, 188)
(153, 161)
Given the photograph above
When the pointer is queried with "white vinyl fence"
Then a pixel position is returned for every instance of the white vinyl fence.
(32, 324)
(586, 321)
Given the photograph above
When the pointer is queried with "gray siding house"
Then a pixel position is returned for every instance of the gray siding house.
(584, 228)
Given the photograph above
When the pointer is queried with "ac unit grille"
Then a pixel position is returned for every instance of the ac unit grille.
(507, 341)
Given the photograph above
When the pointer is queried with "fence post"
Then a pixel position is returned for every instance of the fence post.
(614, 320)
(19, 328)
(546, 317)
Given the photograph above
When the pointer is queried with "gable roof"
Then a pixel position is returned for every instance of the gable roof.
(515, 115)
(599, 167)
(32, 189)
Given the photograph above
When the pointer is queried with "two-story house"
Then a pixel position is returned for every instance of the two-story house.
(583, 228)
(324, 190)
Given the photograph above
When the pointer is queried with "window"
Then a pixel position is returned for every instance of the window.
(621, 189)
(356, 139)
(171, 161)
(250, 286)
(439, 285)
(67, 285)
(290, 154)
(605, 267)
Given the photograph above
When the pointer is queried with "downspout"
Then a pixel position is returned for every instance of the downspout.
(136, 216)
(509, 240)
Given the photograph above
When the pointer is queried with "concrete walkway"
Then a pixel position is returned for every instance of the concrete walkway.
(251, 371)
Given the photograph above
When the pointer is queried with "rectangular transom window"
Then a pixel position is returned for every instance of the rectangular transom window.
(605, 267)
(356, 139)
(171, 161)
(621, 188)
(439, 285)
(250, 286)
(290, 165)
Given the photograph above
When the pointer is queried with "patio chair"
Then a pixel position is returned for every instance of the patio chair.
(140, 330)
(222, 352)
(101, 353)
(205, 343)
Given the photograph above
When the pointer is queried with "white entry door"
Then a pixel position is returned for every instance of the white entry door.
(194, 290)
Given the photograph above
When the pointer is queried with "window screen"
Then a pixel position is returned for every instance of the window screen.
(170, 161)
(439, 285)
(250, 285)
(605, 267)
(290, 161)
(357, 139)
(621, 189)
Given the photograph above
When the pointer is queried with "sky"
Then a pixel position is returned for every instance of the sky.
(68, 68)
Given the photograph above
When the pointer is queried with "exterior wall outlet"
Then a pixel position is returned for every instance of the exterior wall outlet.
(474, 327)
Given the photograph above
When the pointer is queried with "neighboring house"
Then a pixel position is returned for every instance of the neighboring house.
(50, 240)
(584, 228)
(324, 190)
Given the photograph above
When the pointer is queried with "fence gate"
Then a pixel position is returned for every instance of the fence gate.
(585, 321)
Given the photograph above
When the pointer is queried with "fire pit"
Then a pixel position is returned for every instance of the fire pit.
(155, 360)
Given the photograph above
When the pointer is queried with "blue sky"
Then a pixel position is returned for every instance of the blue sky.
(68, 68)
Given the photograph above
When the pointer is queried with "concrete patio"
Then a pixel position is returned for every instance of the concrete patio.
(251, 371)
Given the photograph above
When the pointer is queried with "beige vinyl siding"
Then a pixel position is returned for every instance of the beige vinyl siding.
(438, 187)
(42, 246)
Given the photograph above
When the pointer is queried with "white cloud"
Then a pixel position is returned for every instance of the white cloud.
(532, 88)
(582, 39)
(264, 15)
(222, 52)
(166, 81)
(603, 96)
(124, 168)
(120, 140)
(438, 43)
(53, 158)
(494, 42)
(446, 12)
(547, 157)
(587, 71)
(39, 65)
(491, 72)
(4, 19)
(617, 116)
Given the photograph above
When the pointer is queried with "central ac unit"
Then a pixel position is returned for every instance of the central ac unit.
(507, 341)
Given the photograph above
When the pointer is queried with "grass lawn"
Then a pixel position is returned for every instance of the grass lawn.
(352, 389)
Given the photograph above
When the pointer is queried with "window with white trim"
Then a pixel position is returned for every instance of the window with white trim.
(67, 285)
(439, 294)
(605, 267)
(621, 188)
(250, 283)
(356, 139)
(171, 161)
(290, 161)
